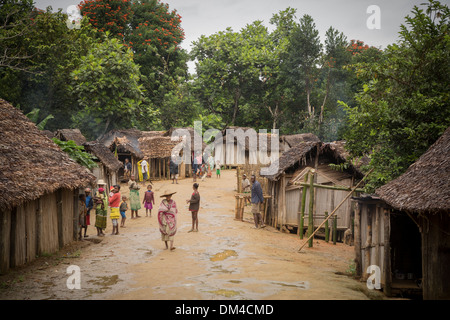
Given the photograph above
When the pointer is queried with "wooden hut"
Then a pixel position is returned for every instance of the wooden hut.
(126, 144)
(287, 187)
(108, 165)
(405, 228)
(158, 150)
(70, 134)
(290, 140)
(39, 187)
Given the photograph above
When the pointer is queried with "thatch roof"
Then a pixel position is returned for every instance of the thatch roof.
(103, 154)
(157, 146)
(425, 186)
(32, 164)
(294, 139)
(305, 152)
(71, 134)
(126, 140)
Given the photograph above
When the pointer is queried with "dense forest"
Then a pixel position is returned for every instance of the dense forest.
(122, 66)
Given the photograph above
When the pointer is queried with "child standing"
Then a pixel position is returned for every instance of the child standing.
(217, 169)
(123, 211)
(148, 201)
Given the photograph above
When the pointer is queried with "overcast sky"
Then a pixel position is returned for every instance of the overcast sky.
(205, 17)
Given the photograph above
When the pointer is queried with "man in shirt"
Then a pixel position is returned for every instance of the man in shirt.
(127, 169)
(257, 199)
(144, 168)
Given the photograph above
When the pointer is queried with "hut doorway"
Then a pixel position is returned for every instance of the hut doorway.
(406, 254)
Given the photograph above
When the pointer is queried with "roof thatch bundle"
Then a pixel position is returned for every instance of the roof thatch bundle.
(103, 154)
(125, 140)
(32, 164)
(294, 139)
(71, 134)
(425, 186)
(303, 153)
(158, 147)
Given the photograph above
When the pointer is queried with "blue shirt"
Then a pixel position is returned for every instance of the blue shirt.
(257, 194)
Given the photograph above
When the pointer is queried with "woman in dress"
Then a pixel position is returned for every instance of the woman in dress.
(101, 208)
(135, 203)
(167, 219)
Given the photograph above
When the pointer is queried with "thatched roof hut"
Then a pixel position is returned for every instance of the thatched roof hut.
(126, 140)
(71, 134)
(425, 186)
(33, 165)
(157, 147)
(103, 154)
(293, 139)
(301, 153)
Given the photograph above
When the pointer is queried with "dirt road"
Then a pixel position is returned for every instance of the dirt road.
(226, 259)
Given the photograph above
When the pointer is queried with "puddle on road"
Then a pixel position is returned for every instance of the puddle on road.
(223, 255)
(106, 281)
(225, 293)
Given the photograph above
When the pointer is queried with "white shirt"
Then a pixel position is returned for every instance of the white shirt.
(144, 166)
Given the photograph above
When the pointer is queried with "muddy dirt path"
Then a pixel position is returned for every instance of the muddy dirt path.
(226, 259)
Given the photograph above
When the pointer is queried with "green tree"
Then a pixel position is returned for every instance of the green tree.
(107, 87)
(403, 107)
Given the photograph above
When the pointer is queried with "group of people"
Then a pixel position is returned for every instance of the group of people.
(167, 211)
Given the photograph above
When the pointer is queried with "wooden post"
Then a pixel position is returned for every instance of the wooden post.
(238, 176)
(327, 230)
(334, 230)
(387, 253)
(302, 210)
(368, 244)
(59, 214)
(311, 208)
(357, 235)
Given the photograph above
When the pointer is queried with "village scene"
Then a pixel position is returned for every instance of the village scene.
(281, 168)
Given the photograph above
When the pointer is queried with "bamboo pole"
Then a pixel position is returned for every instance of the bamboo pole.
(302, 212)
(327, 230)
(357, 237)
(334, 230)
(311, 208)
(335, 209)
(315, 185)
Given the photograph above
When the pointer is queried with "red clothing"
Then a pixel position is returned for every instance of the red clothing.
(148, 197)
(114, 201)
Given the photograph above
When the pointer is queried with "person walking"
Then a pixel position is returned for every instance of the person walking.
(89, 206)
(101, 208)
(114, 204)
(194, 206)
(173, 168)
(167, 219)
(127, 169)
(135, 202)
(257, 199)
(81, 215)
